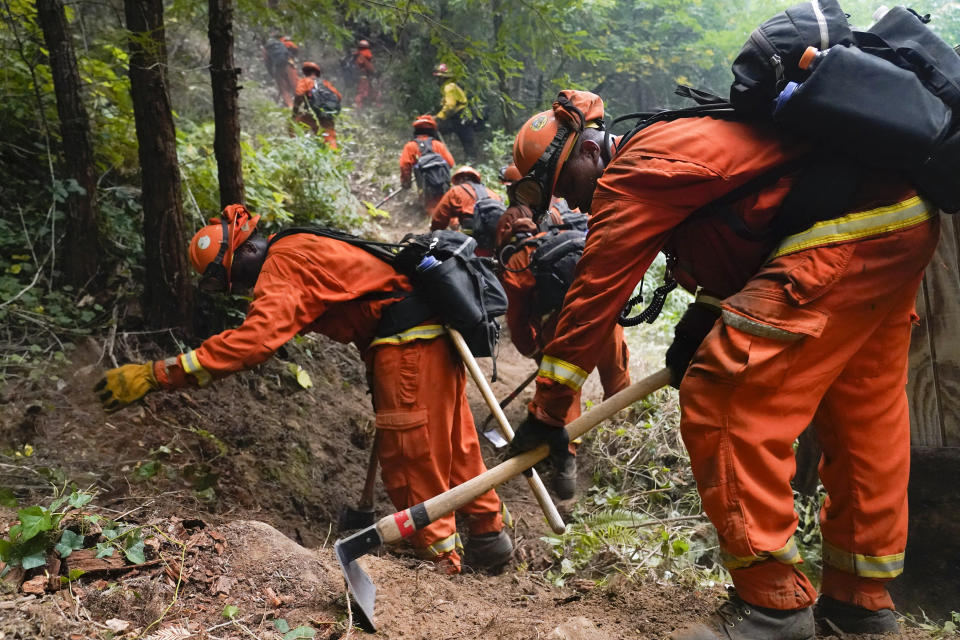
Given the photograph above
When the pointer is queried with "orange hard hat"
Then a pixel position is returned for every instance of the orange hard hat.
(425, 121)
(363, 44)
(464, 172)
(211, 249)
(545, 141)
(310, 66)
(442, 70)
(509, 174)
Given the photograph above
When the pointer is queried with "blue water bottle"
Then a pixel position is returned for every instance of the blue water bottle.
(784, 96)
(426, 263)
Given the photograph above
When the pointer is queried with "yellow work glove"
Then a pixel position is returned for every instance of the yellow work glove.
(123, 385)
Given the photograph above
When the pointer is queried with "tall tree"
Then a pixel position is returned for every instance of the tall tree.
(223, 80)
(167, 292)
(82, 250)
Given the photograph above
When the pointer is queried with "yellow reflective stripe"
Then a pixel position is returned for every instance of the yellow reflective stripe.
(563, 372)
(191, 364)
(862, 565)
(853, 226)
(446, 545)
(420, 332)
(788, 554)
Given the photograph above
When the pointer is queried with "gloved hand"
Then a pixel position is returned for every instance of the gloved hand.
(693, 327)
(124, 385)
(533, 432)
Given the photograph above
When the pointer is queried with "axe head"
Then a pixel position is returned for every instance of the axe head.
(361, 588)
(351, 519)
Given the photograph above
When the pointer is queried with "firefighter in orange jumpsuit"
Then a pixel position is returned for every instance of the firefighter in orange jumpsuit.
(532, 327)
(457, 203)
(302, 283)
(814, 326)
(305, 114)
(425, 132)
(363, 59)
(279, 54)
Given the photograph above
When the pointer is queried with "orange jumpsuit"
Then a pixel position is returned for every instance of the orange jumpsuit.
(409, 156)
(814, 328)
(363, 58)
(455, 204)
(303, 113)
(428, 442)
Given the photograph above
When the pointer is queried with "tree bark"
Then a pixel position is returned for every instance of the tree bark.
(496, 10)
(82, 251)
(223, 80)
(167, 294)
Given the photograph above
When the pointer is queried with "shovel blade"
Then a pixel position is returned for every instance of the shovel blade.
(361, 588)
(352, 519)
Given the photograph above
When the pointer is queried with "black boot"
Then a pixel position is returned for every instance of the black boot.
(489, 551)
(739, 620)
(565, 478)
(836, 616)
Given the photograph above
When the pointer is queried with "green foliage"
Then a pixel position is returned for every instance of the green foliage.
(288, 180)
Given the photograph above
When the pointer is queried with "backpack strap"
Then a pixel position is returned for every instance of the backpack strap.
(480, 192)
(423, 146)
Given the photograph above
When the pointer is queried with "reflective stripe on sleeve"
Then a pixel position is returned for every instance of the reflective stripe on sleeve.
(788, 554)
(191, 364)
(563, 372)
(861, 565)
(448, 544)
(863, 224)
(420, 332)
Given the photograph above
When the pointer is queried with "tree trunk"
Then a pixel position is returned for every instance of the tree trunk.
(82, 251)
(496, 10)
(223, 79)
(167, 292)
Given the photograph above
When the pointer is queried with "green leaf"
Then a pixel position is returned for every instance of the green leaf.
(78, 499)
(680, 547)
(6, 548)
(280, 624)
(59, 502)
(69, 541)
(7, 499)
(135, 553)
(230, 611)
(147, 469)
(104, 550)
(34, 519)
(110, 534)
(300, 632)
(33, 560)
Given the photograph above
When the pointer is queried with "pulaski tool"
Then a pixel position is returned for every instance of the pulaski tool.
(397, 526)
(363, 516)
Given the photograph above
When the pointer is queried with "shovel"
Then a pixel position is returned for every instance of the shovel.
(536, 484)
(510, 398)
(400, 525)
(363, 516)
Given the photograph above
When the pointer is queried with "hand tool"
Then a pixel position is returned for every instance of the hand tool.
(390, 195)
(510, 398)
(536, 484)
(363, 516)
(397, 526)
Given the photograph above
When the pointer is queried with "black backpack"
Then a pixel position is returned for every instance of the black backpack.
(571, 220)
(482, 225)
(277, 55)
(552, 264)
(431, 170)
(324, 102)
(449, 281)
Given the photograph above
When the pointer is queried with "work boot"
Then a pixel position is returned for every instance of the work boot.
(489, 551)
(739, 620)
(837, 616)
(565, 478)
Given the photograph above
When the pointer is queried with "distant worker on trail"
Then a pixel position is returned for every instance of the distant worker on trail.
(303, 283)
(536, 275)
(799, 320)
(280, 56)
(454, 116)
(471, 208)
(427, 160)
(317, 103)
(363, 59)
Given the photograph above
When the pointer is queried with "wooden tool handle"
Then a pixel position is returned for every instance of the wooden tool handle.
(403, 523)
(370, 483)
(536, 484)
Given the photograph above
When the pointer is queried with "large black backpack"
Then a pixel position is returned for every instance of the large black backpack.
(324, 102)
(450, 282)
(888, 97)
(277, 55)
(482, 225)
(552, 264)
(431, 170)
